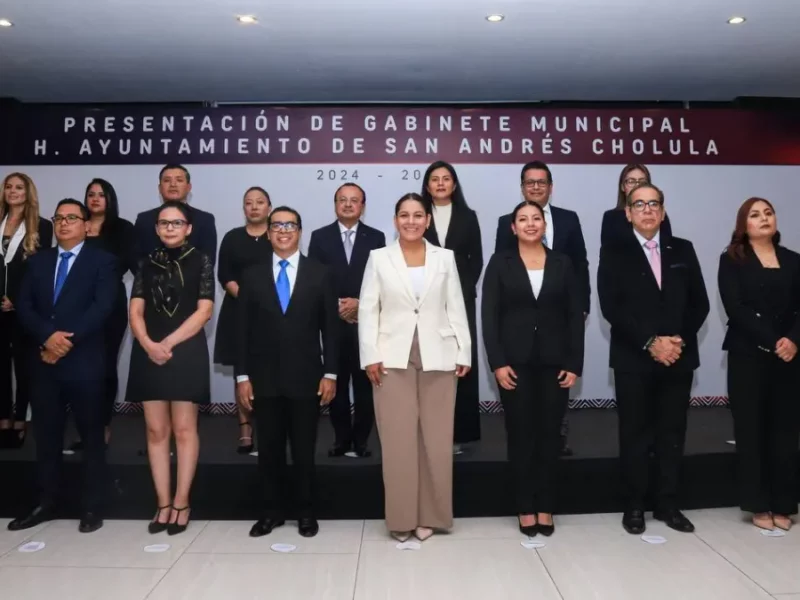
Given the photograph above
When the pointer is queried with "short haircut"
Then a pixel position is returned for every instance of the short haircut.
(173, 166)
(355, 185)
(177, 205)
(539, 165)
(73, 202)
(285, 209)
(645, 186)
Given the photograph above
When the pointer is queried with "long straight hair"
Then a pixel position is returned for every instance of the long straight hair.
(111, 220)
(30, 215)
(740, 241)
(458, 194)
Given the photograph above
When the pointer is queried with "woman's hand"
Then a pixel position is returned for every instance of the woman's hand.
(506, 378)
(375, 373)
(567, 379)
(461, 370)
(158, 353)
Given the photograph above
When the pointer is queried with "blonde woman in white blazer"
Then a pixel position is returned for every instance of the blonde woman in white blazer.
(414, 342)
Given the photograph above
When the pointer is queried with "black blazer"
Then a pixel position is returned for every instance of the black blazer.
(327, 247)
(280, 353)
(82, 308)
(637, 309)
(519, 328)
(11, 275)
(616, 227)
(757, 319)
(568, 240)
(203, 237)
(464, 239)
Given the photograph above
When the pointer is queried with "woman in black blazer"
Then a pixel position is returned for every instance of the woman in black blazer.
(23, 233)
(533, 331)
(759, 282)
(616, 227)
(455, 226)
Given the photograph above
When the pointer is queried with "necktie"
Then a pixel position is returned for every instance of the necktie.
(61, 273)
(655, 259)
(282, 285)
(348, 244)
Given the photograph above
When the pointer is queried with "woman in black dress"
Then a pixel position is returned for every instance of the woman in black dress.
(23, 233)
(241, 248)
(455, 226)
(115, 235)
(172, 299)
(759, 283)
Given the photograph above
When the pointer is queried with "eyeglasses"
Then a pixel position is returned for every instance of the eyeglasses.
(175, 224)
(287, 226)
(631, 181)
(533, 183)
(71, 219)
(639, 205)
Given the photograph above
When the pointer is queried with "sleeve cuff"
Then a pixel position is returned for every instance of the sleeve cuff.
(330, 376)
(242, 378)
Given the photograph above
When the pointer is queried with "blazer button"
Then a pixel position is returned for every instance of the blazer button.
(416, 311)
(52, 317)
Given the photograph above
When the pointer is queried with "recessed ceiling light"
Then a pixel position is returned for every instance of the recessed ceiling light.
(495, 18)
(736, 20)
(247, 19)
(5, 23)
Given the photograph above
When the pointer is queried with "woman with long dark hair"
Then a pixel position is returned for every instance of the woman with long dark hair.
(454, 226)
(23, 232)
(759, 282)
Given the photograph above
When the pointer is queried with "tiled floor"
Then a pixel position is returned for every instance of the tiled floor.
(590, 556)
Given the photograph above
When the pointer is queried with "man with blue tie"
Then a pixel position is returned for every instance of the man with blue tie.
(285, 306)
(66, 296)
(344, 246)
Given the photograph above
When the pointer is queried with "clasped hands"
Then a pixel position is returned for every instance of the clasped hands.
(666, 349)
(348, 310)
(158, 352)
(56, 347)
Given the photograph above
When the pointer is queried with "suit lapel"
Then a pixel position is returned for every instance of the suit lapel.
(336, 242)
(359, 245)
(300, 285)
(399, 263)
(519, 275)
(50, 280)
(559, 236)
(432, 257)
(270, 288)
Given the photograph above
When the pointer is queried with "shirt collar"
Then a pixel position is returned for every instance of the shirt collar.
(75, 251)
(642, 240)
(343, 229)
(294, 259)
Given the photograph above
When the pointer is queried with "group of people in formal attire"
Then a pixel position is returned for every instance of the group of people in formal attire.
(398, 323)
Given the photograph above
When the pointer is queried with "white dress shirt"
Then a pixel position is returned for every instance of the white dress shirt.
(441, 219)
(536, 277)
(643, 241)
(343, 230)
(550, 231)
(291, 274)
(71, 261)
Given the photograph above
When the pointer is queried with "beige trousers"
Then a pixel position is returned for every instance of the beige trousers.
(414, 412)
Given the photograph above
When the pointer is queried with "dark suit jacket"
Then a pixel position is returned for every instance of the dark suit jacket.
(280, 353)
(203, 237)
(637, 309)
(16, 266)
(616, 227)
(326, 246)
(568, 240)
(464, 239)
(757, 319)
(519, 328)
(82, 308)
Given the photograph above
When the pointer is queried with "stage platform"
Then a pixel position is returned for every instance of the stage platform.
(226, 485)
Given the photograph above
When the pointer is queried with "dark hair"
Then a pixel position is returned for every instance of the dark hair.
(415, 198)
(112, 204)
(73, 202)
(522, 205)
(172, 166)
(621, 198)
(539, 165)
(645, 186)
(256, 188)
(177, 205)
(458, 193)
(740, 241)
(285, 209)
(355, 185)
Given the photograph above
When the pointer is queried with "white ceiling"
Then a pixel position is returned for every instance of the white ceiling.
(397, 51)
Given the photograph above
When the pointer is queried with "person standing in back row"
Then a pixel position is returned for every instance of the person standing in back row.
(344, 246)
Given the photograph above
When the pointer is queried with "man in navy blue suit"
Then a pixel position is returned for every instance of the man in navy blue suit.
(344, 246)
(563, 234)
(175, 183)
(67, 294)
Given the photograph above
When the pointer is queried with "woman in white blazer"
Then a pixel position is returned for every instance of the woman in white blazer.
(414, 342)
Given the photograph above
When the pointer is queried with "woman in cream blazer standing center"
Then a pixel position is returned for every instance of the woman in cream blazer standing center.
(414, 342)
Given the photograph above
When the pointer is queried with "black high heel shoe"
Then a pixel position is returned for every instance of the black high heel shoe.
(175, 528)
(529, 530)
(245, 448)
(155, 526)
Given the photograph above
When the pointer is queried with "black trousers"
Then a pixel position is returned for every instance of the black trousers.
(50, 398)
(351, 430)
(763, 394)
(115, 329)
(533, 413)
(16, 351)
(467, 427)
(279, 418)
(651, 404)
